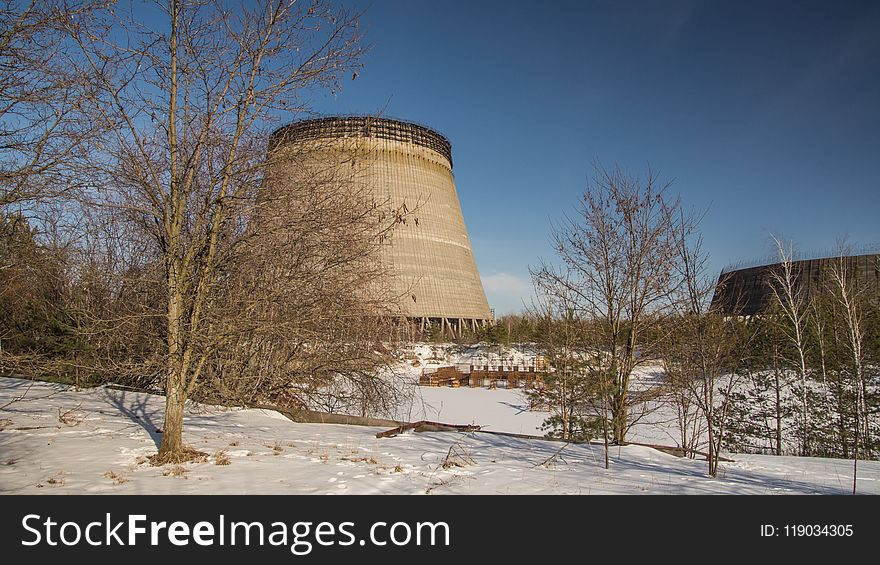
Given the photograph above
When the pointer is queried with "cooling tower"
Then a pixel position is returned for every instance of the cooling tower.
(408, 167)
(747, 290)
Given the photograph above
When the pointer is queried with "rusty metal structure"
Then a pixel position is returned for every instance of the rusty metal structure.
(529, 375)
(408, 167)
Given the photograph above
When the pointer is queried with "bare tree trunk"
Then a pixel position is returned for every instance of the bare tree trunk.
(856, 450)
(778, 413)
(792, 301)
(605, 430)
(708, 392)
(777, 389)
(172, 447)
(866, 422)
(619, 415)
(849, 295)
(842, 430)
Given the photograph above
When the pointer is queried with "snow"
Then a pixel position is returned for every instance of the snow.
(506, 410)
(56, 439)
(499, 410)
(434, 355)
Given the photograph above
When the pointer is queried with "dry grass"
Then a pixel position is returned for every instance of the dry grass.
(457, 456)
(276, 448)
(368, 460)
(440, 483)
(187, 455)
(70, 417)
(221, 458)
(175, 471)
(117, 478)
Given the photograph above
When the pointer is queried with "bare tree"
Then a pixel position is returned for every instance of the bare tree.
(819, 327)
(306, 305)
(848, 293)
(703, 351)
(791, 300)
(188, 110)
(688, 417)
(44, 121)
(617, 262)
(79, 298)
(703, 354)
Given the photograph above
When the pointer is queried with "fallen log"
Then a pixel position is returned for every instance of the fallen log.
(315, 417)
(426, 426)
(679, 451)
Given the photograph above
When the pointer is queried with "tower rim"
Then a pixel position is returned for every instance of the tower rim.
(365, 126)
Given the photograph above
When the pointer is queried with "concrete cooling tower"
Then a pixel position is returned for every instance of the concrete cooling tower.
(747, 290)
(409, 167)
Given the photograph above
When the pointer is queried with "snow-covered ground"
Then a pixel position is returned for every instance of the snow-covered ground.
(503, 410)
(55, 439)
(499, 410)
(507, 410)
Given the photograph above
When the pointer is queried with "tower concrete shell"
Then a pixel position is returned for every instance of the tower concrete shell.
(409, 167)
(747, 290)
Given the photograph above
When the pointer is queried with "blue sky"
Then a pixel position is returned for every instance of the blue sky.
(766, 113)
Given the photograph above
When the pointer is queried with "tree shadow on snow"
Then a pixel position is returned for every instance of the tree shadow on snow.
(519, 407)
(662, 473)
(135, 406)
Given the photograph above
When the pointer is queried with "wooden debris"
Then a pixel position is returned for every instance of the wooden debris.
(426, 426)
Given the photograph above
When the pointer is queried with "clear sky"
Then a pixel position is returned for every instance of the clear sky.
(766, 113)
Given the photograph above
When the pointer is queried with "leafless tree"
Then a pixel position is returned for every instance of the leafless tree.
(305, 312)
(617, 261)
(792, 302)
(80, 298)
(702, 352)
(819, 327)
(688, 417)
(188, 110)
(848, 293)
(44, 122)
